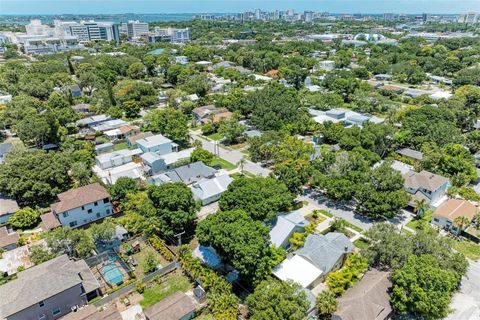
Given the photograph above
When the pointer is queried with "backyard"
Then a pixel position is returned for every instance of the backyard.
(141, 257)
(164, 287)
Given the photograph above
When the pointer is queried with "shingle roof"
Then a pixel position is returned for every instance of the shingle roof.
(211, 187)
(285, 225)
(7, 238)
(410, 153)
(455, 208)
(325, 251)
(424, 179)
(49, 221)
(141, 135)
(173, 307)
(368, 300)
(75, 198)
(39, 283)
(90, 312)
(7, 205)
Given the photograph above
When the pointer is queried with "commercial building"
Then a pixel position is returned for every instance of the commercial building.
(88, 30)
(135, 29)
(170, 35)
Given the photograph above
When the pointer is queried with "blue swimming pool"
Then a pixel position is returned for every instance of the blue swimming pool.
(112, 274)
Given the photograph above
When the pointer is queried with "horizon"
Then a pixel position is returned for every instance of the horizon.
(91, 7)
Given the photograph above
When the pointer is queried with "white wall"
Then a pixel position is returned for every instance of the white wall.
(82, 216)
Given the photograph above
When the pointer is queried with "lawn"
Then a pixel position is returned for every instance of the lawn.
(354, 227)
(158, 291)
(315, 216)
(419, 224)
(141, 256)
(120, 146)
(215, 136)
(325, 213)
(223, 163)
(238, 175)
(361, 243)
(469, 249)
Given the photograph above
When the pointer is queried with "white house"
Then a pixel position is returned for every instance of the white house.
(158, 144)
(80, 206)
(210, 190)
(116, 158)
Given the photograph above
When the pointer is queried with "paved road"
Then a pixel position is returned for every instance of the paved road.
(232, 156)
(346, 211)
(466, 302)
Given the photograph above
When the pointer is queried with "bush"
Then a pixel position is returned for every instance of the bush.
(161, 247)
(24, 218)
(150, 263)
(139, 286)
(348, 275)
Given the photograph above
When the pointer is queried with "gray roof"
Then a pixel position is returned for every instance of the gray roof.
(42, 282)
(325, 251)
(410, 153)
(7, 205)
(211, 187)
(285, 225)
(190, 173)
(173, 307)
(153, 141)
(368, 300)
(4, 149)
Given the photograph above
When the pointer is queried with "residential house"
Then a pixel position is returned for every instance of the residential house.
(382, 77)
(320, 255)
(48, 291)
(132, 140)
(83, 108)
(210, 113)
(109, 125)
(178, 306)
(8, 238)
(348, 117)
(123, 132)
(4, 150)
(411, 154)
(8, 207)
(285, 226)
(445, 216)
(90, 312)
(158, 144)
(80, 206)
(210, 190)
(155, 162)
(75, 91)
(392, 88)
(426, 186)
(12, 261)
(104, 147)
(367, 300)
(188, 174)
(111, 175)
(92, 121)
(116, 158)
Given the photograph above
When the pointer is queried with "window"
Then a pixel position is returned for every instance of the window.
(65, 214)
(106, 200)
(41, 303)
(436, 220)
(95, 203)
(98, 214)
(90, 210)
(56, 311)
(108, 211)
(83, 207)
(73, 224)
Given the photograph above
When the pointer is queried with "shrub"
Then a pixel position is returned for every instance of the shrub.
(161, 247)
(24, 218)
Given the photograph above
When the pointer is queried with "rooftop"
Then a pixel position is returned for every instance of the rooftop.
(210, 187)
(7, 237)
(75, 198)
(7, 205)
(42, 282)
(455, 208)
(297, 269)
(410, 153)
(424, 179)
(153, 141)
(368, 300)
(173, 307)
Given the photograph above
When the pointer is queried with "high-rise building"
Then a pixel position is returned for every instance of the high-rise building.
(89, 30)
(472, 17)
(258, 14)
(389, 16)
(36, 28)
(426, 17)
(170, 35)
(309, 16)
(137, 29)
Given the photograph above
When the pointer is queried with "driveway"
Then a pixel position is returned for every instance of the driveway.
(466, 302)
(232, 156)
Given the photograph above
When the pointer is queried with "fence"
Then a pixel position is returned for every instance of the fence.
(122, 291)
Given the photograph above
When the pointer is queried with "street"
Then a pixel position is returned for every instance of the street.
(232, 156)
(466, 302)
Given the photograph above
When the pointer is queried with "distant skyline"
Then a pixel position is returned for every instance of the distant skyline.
(24, 7)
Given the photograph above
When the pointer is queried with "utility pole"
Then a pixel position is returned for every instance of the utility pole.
(179, 236)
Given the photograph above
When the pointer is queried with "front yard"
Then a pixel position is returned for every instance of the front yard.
(223, 163)
(164, 287)
(468, 248)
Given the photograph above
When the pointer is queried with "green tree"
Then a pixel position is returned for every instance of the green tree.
(40, 255)
(261, 198)
(24, 218)
(326, 304)
(103, 231)
(277, 300)
(294, 174)
(203, 155)
(170, 122)
(150, 263)
(136, 70)
(122, 187)
(74, 242)
(232, 130)
(242, 241)
(423, 287)
(176, 208)
(131, 108)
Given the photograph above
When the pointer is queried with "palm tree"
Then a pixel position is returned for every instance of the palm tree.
(420, 206)
(241, 163)
(461, 222)
(338, 225)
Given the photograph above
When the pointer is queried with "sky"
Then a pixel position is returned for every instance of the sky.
(233, 6)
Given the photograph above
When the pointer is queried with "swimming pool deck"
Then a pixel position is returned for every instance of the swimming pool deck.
(104, 284)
